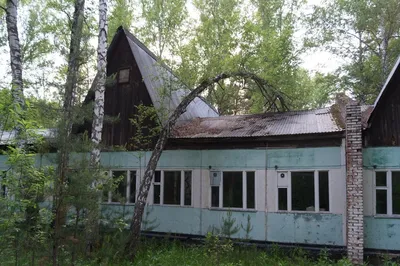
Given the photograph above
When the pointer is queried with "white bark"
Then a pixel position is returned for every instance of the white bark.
(15, 60)
(98, 112)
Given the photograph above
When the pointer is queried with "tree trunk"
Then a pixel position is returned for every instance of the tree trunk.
(16, 65)
(66, 123)
(135, 228)
(98, 112)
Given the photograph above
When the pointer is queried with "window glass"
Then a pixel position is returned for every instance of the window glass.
(323, 190)
(172, 187)
(157, 176)
(282, 199)
(396, 192)
(156, 194)
(188, 188)
(232, 190)
(303, 191)
(215, 196)
(381, 201)
(381, 179)
(3, 191)
(250, 190)
(119, 194)
(132, 186)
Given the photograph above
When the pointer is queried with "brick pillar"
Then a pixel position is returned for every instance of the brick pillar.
(354, 185)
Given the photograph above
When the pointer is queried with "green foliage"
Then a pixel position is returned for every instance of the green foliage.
(365, 34)
(38, 114)
(146, 127)
(247, 228)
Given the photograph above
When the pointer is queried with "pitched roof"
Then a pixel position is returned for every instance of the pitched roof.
(259, 125)
(382, 93)
(165, 89)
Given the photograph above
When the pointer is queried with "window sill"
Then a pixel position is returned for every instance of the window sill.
(303, 212)
(386, 216)
(118, 203)
(172, 205)
(231, 209)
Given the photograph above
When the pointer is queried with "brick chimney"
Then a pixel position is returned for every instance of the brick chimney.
(354, 184)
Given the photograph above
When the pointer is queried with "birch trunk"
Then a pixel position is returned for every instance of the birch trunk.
(135, 228)
(98, 112)
(66, 123)
(16, 64)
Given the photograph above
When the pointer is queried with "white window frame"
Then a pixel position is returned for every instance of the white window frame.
(316, 191)
(389, 192)
(161, 184)
(244, 192)
(128, 187)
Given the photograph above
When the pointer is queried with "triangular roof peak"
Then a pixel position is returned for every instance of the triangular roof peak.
(164, 87)
(395, 71)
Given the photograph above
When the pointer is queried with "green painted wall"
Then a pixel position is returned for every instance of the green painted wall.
(302, 158)
(382, 233)
(324, 229)
(382, 157)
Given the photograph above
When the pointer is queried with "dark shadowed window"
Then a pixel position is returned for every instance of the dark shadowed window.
(119, 194)
(188, 188)
(282, 199)
(303, 191)
(323, 190)
(396, 192)
(232, 190)
(250, 190)
(157, 187)
(172, 187)
(132, 186)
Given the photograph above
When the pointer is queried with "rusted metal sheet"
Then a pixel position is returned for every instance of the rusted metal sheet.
(268, 124)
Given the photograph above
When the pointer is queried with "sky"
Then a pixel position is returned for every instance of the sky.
(320, 61)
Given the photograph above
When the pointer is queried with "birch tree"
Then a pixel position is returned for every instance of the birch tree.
(275, 99)
(67, 120)
(16, 63)
(98, 111)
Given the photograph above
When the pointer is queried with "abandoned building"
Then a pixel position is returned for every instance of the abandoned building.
(326, 177)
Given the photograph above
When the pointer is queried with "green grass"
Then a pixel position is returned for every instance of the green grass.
(173, 253)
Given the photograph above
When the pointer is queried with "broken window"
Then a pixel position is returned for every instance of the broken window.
(172, 188)
(236, 191)
(387, 192)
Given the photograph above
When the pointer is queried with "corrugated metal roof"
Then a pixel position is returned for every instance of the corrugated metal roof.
(258, 125)
(165, 89)
(7, 137)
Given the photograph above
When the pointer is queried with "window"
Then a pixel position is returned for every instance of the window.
(172, 188)
(387, 192)
(123, 75)
(3, 188)
(234, 190)
(303, 191)
(125, 187)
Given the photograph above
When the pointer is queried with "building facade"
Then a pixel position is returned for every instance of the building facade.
(326, 177)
